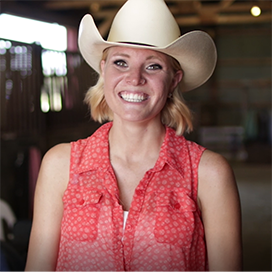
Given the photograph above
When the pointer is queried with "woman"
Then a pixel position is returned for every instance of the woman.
(136, 195)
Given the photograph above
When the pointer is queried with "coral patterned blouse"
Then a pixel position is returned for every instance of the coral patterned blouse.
(163, 230)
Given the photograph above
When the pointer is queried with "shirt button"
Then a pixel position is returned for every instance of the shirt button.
(177, 206)
(81, 202)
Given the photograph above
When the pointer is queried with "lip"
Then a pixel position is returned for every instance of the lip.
(133, 97)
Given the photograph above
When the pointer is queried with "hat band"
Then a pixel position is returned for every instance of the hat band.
(136, 43)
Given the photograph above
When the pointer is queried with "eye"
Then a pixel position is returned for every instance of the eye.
(154, 67)
(120, 63)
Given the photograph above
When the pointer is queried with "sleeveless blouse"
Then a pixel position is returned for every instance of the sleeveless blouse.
(163, 230)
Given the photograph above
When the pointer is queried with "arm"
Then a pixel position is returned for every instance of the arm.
(48, 209)
(220, 206)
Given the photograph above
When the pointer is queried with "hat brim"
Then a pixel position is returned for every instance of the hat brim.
(195, 51)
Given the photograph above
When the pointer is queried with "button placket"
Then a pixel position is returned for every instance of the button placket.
(134, 213)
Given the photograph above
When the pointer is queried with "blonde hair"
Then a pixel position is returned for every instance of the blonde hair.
(175, 113)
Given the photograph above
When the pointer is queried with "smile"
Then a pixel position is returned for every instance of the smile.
(133, 97)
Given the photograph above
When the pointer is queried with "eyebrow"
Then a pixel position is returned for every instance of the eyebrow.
(128, 56)
(117, 54)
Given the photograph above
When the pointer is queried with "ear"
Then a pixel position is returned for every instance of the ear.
(176, 79)
(102, 65)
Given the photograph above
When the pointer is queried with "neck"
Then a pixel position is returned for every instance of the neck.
(136, 141)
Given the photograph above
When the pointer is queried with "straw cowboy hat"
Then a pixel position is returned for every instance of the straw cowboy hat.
(149, 24)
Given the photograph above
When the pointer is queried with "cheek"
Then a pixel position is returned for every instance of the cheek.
(166, 86)
(111, 85)
(111, 76)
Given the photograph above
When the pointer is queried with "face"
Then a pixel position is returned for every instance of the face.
(137, 82)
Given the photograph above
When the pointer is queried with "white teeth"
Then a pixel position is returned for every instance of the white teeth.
(133, 97)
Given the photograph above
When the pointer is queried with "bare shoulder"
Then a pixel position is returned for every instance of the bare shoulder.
(219, 202)
(216, 178)
(48, 209)
(55, 167)
(214, 165)
(59, 153)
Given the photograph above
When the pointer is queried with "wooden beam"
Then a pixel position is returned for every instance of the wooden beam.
(223, 19)
(244, 19)
(56, 5)
(81, 4)
(227, 6)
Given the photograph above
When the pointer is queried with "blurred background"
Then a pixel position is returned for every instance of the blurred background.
(44, 79)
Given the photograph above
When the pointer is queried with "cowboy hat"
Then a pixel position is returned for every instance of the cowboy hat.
(149, 24)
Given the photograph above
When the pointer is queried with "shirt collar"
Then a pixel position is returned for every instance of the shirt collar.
(168, 153)
(95, 155)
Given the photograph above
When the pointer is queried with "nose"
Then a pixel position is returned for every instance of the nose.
(135, 77)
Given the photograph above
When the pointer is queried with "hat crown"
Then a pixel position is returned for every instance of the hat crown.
(146, 22)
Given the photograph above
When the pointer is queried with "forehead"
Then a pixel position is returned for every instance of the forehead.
(137, 52)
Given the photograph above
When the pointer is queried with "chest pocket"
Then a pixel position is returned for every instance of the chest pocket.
(175, 218)
(81, 214)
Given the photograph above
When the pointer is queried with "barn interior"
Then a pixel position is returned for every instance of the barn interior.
(232, 110)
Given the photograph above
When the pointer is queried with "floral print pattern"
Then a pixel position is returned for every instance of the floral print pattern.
(163, 231)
